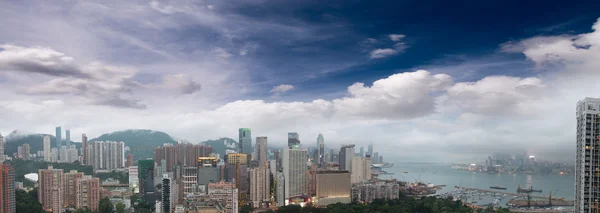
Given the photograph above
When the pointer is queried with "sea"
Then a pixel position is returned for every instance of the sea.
(443, 174)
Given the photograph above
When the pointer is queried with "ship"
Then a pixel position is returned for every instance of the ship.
(387, 165)
(530, 190)
(498, 187)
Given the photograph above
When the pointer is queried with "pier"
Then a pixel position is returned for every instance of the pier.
(508, 193)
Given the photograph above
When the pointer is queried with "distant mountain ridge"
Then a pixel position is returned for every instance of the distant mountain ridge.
(221, 145)
(35, 140)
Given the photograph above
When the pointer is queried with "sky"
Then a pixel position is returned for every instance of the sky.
(421, 80)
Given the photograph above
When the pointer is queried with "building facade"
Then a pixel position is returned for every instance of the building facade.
(332, 187)
(245, 141)
(293, 140)
(361, 169)
(84, 140)
(47, 149)
(294, 171)
(50, 189)
(2, 156)
(260, 190)
(26, 151)
(146, 179)
(587, 184)
(321, 152)
(225, 193)
(261, 150)
(70, 196)
(58, 136)
(107, 155)
(345, 157)
(237, 158)
(367, 192)
(87, 192)
(7, 189)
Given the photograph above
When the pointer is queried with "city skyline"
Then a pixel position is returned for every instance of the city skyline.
(462, 84)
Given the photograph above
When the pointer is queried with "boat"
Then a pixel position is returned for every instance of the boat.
(498, 187)
(530, 190)
(404, 172)
(387, 165)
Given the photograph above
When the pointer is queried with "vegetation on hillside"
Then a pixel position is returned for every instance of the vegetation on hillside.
(404, 204)
(35, 141)
(26, 202)
(219, 146)
(140, 141)
(23, 167)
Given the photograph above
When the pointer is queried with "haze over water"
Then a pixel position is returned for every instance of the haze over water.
(443, 174)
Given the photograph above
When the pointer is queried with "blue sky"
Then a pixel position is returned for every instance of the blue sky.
(464, 77)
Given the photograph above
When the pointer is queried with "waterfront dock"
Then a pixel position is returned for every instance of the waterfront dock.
(540, 203)
(509, 193)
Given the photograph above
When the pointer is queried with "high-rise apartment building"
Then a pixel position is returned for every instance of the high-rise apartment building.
(87, 192)
(225, 193)
(587, 183)
(261, 150)
(345, 157)
(47, 149)
(2, 157)
(146, 179)
(50, 189)
(183, 154)
(26, 149)
(375, 157)
(190, 180)
(361, 169)
(260, 190)
(245, 141)
(68, 138)
(107, 155)
(293, 140)
(69, 191)
(84, 140)
(321, 147)
(7, 189)
(367, 192)
(58, 136)
(294, 171)
(370, 150)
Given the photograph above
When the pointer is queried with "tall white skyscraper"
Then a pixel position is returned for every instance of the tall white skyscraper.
(321, 149)
(587, 195)
(47, 149)
(68, 138)
(2, 158)
(260, 186)
(294, 171)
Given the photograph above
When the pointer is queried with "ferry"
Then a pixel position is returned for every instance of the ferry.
(498, 187)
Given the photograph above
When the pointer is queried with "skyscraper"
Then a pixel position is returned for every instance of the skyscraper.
(84, 149)
(362, 151)
(167, 195)
(245, 140)
(26, 151)
(7, 189)
(87, 192)
(146, 179)
(370, 150)
(293, 140)
(69, 190)
(345, 157)
(587, 194)
(58, 137)
(107, 155)
(47, 149)
(261, 150)
(375, 157)
(50, 189)
(321, 147)
(294, 171)
(2, 158)
(260, 185)
(68, 138)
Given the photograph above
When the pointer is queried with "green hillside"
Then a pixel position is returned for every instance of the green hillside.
(140, 141)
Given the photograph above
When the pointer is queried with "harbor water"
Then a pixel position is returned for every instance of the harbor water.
(443, 174)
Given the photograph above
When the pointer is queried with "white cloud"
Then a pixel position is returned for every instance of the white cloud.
(396, 37)
(182, 83)
(283, 88)
(221, 53)
(383, 53)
